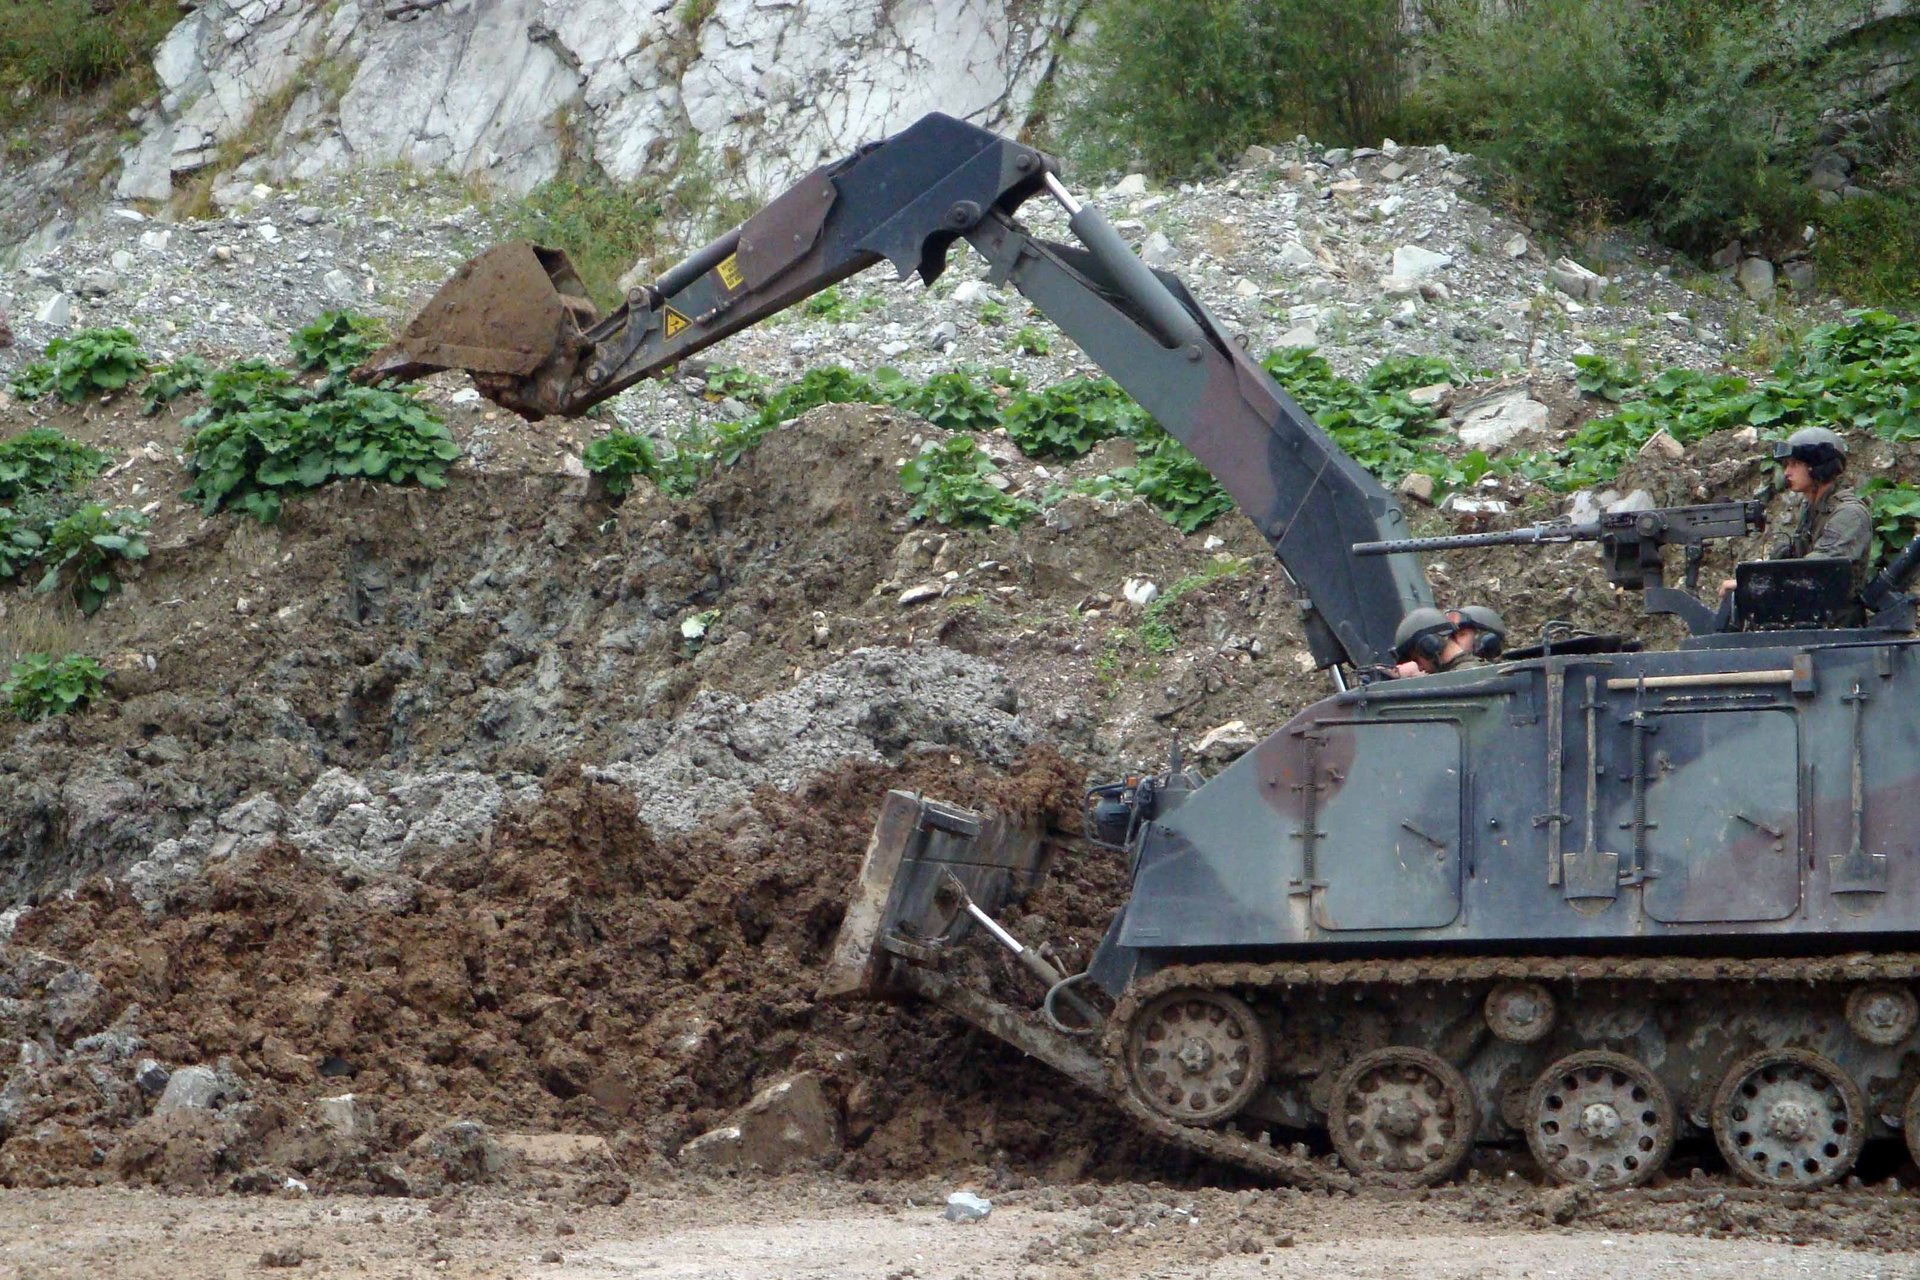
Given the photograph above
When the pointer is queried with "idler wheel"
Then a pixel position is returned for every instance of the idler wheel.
(1790, 1119)
(1197, 1057)
(1519, 1012)
(1401, 1117)
(1600, 1120)
(1882, 1015)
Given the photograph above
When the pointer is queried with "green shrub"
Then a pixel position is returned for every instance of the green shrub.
(41, 686)
(169, 382)
(949, 483)
(87, 549)
(1068, 418)
(617, 458)
(1177, 85)
(1374, 422)
(1868, 249)
(91, 360)
(1896, 514)
(247, 384)
(731, 382)
(834, 305)
(952, 401)
(1029, 341)
(337, 341)
(1600, 377)
(829, 385)
(20, 545)
(1696, 116)
(261, 438)
(1170, 478)
(44, 461)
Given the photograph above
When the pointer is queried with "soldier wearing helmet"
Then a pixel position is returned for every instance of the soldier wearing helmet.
(1834, 523)
(1479, 631)
(1428, 640)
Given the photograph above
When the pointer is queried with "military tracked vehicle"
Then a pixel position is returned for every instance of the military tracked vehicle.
(1591, 898)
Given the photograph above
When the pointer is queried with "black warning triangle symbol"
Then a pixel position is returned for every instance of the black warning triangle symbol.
(675, 323)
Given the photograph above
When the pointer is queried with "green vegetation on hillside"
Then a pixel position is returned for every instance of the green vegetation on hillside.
(64, 47)
(1174, 85)
(1696, 119)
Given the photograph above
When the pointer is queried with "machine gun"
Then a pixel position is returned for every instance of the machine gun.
(1631, 543)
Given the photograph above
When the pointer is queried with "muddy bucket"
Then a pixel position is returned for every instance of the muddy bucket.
(508, 313)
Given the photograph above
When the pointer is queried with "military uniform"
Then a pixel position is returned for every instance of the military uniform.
(1464, 661)
(1835, 526)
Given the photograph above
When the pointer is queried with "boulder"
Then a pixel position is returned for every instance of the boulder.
(1830, 171)
(1412, 262)
(1574, 280)
(1638, 500)
(56, 312)
(1498, 421)
(1226, 742)
(464, 1151)
(1158, 251)
(1295, 254)
(190, 1089)
(346, 1116)
(1755, 278)
(964, 1206)
(1800, 276)
(787, 1125)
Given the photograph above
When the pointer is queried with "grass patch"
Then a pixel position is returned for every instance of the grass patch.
(60, 49)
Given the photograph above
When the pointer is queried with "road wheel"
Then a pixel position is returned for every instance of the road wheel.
(1197, 1057)
(1401, 1117)
(1600, 1120)
(1789, 1119)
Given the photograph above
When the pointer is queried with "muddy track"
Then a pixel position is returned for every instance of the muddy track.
(1257, 1153)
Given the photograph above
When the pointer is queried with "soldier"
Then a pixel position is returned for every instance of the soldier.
(1834, 523)
(1479, 631)
(1428, 640)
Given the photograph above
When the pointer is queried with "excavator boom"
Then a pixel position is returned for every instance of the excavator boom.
(518, 319)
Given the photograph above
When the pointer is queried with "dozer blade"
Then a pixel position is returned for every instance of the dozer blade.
(902, 913)
(505, 316)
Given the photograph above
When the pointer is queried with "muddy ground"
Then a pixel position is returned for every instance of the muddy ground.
(429, 799)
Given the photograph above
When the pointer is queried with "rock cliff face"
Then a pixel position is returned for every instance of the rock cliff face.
(759, 90)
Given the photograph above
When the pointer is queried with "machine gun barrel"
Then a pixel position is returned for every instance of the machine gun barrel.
(1498, 538)
(1646, 531)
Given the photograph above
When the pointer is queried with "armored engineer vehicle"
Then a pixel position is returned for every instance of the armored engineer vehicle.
(1591, 897)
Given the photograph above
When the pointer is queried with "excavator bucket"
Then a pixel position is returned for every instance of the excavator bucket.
(925, 863)
(506, 314)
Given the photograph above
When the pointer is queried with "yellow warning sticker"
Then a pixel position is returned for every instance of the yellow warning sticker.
(675, 323)
(729, 270)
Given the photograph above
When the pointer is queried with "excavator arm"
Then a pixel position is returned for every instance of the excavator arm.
(518, 320)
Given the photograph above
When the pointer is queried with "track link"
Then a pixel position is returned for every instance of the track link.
(1295, 1166)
